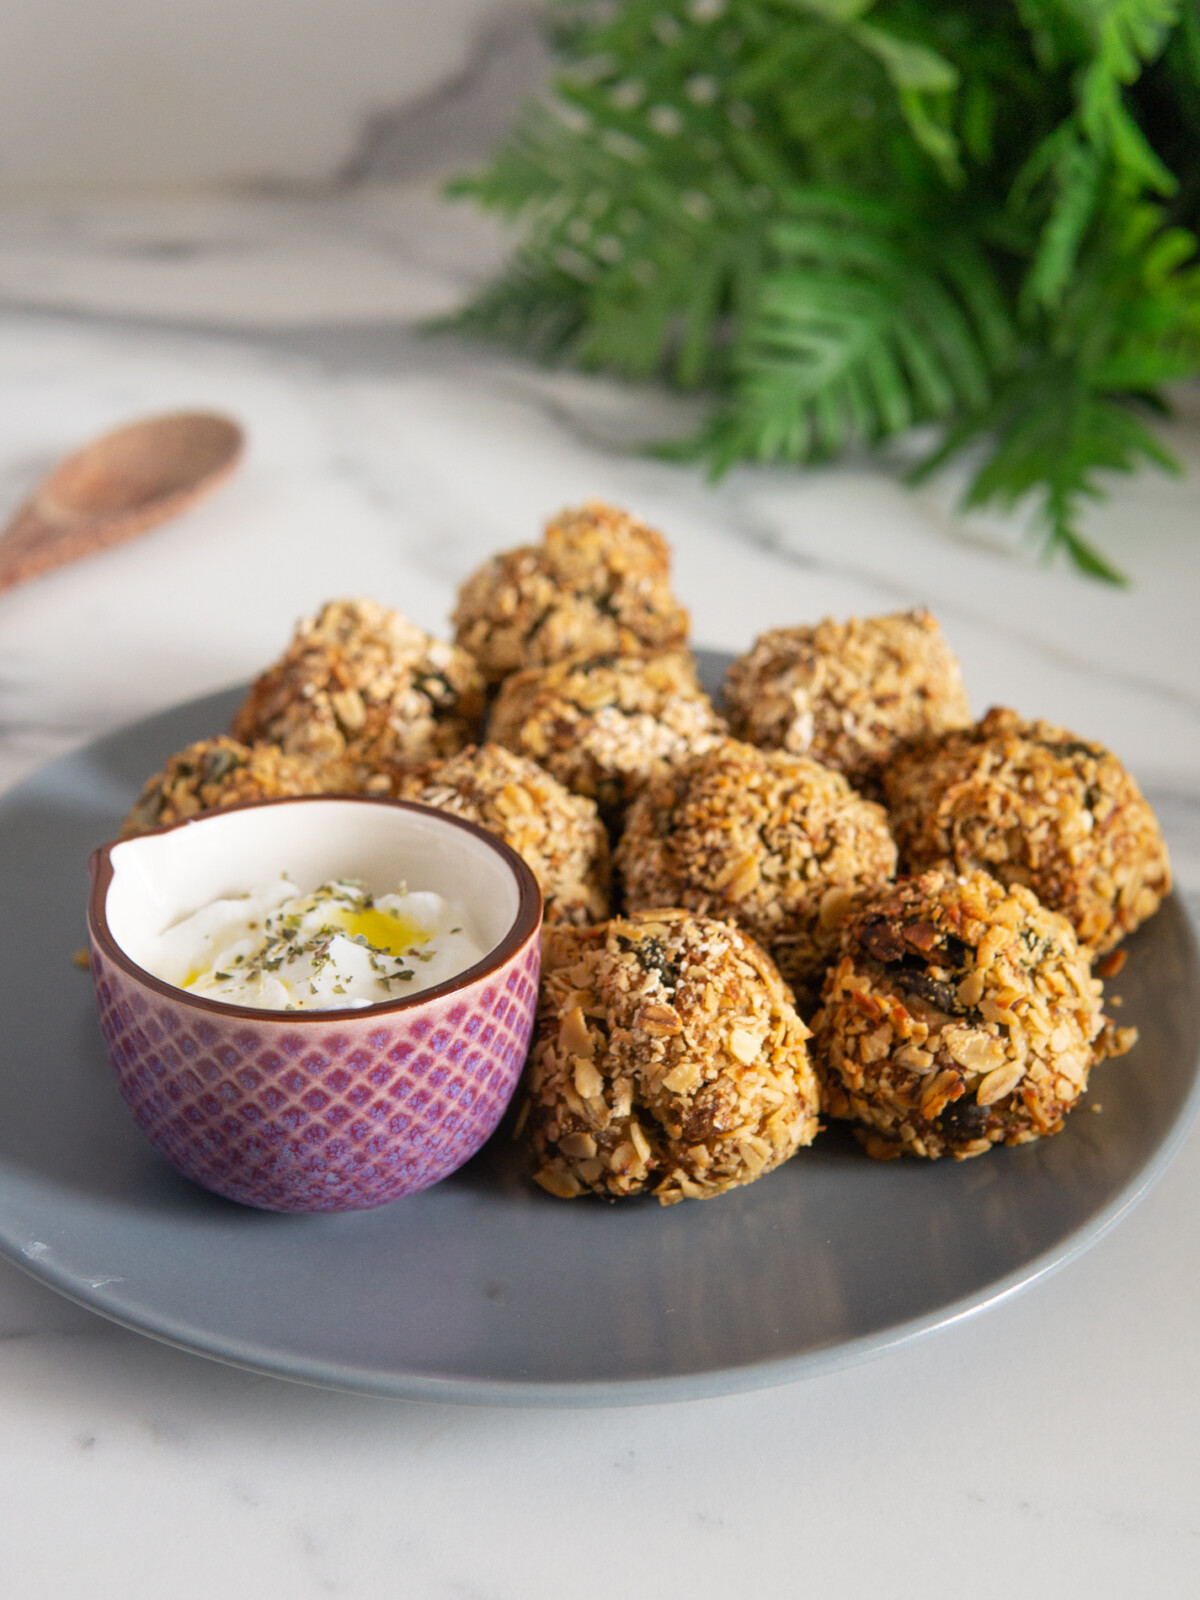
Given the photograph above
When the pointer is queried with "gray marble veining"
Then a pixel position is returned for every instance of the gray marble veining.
(1047, 1447)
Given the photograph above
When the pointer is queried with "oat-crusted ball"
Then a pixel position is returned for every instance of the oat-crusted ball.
(960, 1015)
(775, 842)
(598, 584)
(605, 726)
(214, 773)
(848, 694)
(558, 833)
(1032, 804)
(363, 682)
(667, 1058)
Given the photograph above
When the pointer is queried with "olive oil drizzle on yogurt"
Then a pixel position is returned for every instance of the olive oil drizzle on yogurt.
(309, 929)
(353, 916)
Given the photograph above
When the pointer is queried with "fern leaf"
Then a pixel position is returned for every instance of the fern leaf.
(843, 217)
(541, 315)
(1050, 437)
(924, 82)
(1078, 176)
(851, 339)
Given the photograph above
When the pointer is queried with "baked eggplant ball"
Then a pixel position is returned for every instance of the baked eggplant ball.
(598, 584)
(558, 833)
(961, 1014)
(606, 726)
(1035, 805)
(775, 842)
(848, 694)
(214, 773)
(362, 682)
(668, 1059)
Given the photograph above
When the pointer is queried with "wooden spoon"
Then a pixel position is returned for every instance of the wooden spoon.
(118, 486)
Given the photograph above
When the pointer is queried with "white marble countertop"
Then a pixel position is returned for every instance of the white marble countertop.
(1047, 1446)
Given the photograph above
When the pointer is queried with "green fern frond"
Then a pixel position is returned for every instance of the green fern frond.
(1078, 177)
(859, 332)
(1051, 440)
(527, 309)
(1077, 408)
(844, 217)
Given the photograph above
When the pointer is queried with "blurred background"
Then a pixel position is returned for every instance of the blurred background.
(284, 93)
(236, 205)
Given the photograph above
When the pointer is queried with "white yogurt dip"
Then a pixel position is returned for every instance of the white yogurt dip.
(279, 949)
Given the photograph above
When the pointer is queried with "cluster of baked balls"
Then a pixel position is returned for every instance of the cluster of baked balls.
(751, 855)
(363, 701)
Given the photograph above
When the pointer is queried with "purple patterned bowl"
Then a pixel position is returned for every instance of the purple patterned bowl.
(315, 1110)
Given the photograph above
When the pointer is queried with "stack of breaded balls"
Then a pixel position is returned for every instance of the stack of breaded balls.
(754, 857)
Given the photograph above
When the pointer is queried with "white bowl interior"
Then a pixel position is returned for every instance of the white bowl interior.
(159, 878)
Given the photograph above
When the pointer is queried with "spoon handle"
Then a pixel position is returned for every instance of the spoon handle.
(33, 543)
(28, 546)
(117, 487)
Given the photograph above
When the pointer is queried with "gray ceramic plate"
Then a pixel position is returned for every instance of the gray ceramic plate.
(484, 1289)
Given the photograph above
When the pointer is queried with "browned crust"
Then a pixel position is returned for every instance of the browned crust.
(559, 834)
(848, 694)
(1033, 804)
(775, 842)
(668, 1058)
(598, 584)
(606, 726)
(960, 1015)
(361, 682)
(215, 773)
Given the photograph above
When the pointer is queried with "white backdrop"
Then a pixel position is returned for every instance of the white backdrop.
(163, 92)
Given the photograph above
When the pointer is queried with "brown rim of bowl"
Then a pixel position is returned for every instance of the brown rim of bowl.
(525, 923)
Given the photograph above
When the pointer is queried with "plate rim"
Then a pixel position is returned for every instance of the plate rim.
(625, 1391)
